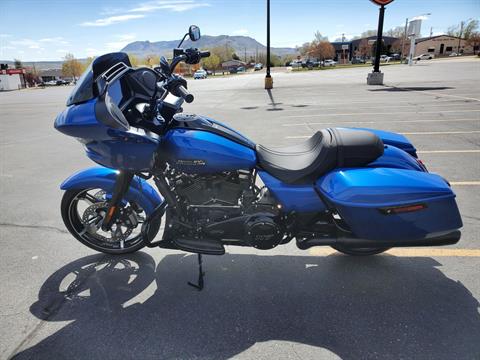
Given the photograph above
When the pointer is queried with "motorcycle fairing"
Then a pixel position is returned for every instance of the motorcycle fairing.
(139, 191)
(109, 147)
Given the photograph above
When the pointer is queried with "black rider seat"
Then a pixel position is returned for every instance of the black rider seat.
(324, 151)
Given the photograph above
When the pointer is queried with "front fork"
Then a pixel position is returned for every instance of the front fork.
(122, 184)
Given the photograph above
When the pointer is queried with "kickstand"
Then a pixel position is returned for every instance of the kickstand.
(199, 285)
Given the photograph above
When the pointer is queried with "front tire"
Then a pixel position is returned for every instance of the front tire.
(358, 251)
(73, 210)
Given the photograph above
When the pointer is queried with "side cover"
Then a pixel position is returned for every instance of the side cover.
(140, 191)
(391, 204)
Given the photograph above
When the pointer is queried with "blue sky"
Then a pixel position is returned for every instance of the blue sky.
(47, 29)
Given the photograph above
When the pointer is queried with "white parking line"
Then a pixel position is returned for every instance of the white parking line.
(440, 132)
(383, 121)
(464, 183)
(450, 95)
(405, 133)
(321, 107)
(447, 151)
(381, 113)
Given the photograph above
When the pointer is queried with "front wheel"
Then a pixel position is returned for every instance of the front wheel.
(359, 251)
(83, 212)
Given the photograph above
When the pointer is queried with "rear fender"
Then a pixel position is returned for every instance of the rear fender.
(140, 191)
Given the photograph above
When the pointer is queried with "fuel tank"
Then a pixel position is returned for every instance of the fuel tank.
(199, 151)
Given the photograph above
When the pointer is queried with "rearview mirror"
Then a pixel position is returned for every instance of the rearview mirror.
(194, 33)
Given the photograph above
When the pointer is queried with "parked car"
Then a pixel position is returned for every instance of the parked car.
(454, 54)
(200, 74)
(296, 64)
(310, 63)
(424, 57)
(395, 57)
(358, 60)
(51, 83)
(385, 58)
(235, 70)
(329, 62)
(258, 66)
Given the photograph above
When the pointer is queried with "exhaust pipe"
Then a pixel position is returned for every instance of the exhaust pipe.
(445, 239)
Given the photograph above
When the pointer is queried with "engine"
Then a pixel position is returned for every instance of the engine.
(230, 207)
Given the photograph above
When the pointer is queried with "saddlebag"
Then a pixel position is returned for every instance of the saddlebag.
(391, 204)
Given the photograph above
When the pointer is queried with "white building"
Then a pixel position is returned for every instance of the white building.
(12, 79)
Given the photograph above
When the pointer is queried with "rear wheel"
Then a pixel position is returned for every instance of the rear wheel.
(359, 251)
(83, 211)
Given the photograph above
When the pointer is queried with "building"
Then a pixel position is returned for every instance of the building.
(12, 79)
(441, 45)
(51, 74)
(364, 47)
(232, 64)
(342, 51)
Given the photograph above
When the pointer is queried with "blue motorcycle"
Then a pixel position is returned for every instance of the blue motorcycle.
(360, 191)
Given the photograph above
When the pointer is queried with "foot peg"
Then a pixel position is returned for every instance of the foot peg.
(200, 246)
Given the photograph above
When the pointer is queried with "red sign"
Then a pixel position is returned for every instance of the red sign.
(381, 2)
(12, 71)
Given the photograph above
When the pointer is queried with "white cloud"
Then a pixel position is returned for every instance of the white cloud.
(92, 52)
(5, 35)
(56, 40)
(178, 6)
(112, 20)
(24, 42)
(62, 51)
(421, 17)
(240, 32)
(120, 42)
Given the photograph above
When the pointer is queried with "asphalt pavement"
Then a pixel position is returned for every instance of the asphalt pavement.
(61, 300)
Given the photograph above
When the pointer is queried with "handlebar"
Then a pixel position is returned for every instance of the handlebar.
(183, 92)
(204, 54)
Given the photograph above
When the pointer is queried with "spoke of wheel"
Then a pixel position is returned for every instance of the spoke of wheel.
(89, 198)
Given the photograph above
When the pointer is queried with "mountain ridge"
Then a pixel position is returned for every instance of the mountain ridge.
(241, 44)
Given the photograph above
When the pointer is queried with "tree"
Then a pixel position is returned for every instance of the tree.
(71, 67)
(474, 40)
(365, 48)
(134, 60)
(463, 30)
(223, 52)
(368, 33)
(398, 32)
(303, 50)
(152, 60)
(321, 50)
(212, 62)
(318, 37)
(17, 63)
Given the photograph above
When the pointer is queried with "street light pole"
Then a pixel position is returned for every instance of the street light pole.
(268, 77)
(378, 49)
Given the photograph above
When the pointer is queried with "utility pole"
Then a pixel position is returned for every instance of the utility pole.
(431, 31)
(404, 39)
(268, 77)
(460, 37)
(245, 55)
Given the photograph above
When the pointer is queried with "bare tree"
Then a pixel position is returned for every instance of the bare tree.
(71, 66)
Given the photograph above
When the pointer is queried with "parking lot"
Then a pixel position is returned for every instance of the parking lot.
(60, 300)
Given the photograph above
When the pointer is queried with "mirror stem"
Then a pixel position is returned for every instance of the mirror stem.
(183, 39)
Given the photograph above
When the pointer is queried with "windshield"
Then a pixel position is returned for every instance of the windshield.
(83, 91)
(85, 88)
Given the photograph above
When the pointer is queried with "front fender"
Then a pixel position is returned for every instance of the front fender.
(140, 191)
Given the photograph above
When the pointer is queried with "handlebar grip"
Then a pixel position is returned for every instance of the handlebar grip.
(204, 54)
(185, 94)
